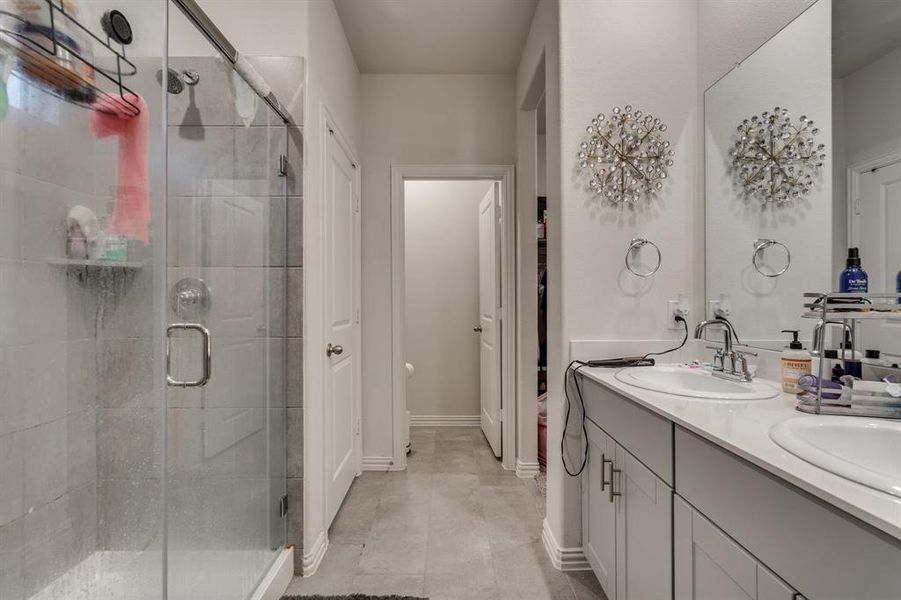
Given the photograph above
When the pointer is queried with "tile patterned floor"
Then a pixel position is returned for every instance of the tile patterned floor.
(454, 526)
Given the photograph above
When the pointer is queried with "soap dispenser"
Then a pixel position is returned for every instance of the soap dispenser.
(795, 363)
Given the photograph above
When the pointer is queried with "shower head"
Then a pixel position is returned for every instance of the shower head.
(174, 84)
(175, 81)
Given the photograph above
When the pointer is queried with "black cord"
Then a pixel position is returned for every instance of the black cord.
(679, 347)
(570, 372)
(573, 372)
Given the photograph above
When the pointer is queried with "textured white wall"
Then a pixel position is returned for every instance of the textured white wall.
(599, 300)
(415, 119)
(796, 75)
(332, 90)
(730, 30)
(442, 302)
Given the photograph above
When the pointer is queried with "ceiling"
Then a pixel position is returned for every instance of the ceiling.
(862, 32)
(436, 36)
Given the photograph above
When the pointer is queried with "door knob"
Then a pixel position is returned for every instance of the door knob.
(477, 329)
(336, 349)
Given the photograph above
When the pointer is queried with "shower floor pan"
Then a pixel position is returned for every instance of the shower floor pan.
(122, 575)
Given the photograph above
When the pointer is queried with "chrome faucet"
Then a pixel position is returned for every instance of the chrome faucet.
(819, 330)
(728, 363)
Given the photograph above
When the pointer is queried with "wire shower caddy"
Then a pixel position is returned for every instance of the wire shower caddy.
(36, 61)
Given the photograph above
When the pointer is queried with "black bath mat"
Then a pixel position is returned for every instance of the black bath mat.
(352, 597)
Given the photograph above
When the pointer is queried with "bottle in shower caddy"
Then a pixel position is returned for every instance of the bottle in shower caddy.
(853, 278)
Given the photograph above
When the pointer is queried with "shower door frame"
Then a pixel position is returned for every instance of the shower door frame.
(278, 574)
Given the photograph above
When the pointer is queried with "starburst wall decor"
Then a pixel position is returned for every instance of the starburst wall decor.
(775, 159)
(625, 155)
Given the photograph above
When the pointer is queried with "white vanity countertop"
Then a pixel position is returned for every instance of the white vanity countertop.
(743, 429)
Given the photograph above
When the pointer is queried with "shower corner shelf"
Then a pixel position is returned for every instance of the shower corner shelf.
(36, 62)
(96, 264)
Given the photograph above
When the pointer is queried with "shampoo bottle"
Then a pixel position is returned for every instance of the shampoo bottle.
(853, 278)
(795, 363)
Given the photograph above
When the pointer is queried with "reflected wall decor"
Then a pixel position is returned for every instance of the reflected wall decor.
(776, 159)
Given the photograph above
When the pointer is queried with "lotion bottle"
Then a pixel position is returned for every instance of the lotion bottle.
(853, 278)
(795, 363)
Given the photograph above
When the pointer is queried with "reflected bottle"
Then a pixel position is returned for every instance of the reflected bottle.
(853, 279)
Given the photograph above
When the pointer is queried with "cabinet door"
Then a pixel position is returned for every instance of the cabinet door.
(770, 587)
(644, 543)
(709, 565)
(599, 510)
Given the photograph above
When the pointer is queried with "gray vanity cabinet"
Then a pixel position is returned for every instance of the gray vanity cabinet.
(709, 565)
(644, 518)
(627, 522)
(598, 509)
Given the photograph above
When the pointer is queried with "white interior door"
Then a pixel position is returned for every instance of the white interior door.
(877, 217)
(342, 377)
(489, 295)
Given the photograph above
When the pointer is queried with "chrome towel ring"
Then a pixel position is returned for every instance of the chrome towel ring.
(632, 250)
(762, 244)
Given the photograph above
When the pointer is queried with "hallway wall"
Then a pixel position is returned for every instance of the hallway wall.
(415, 119)
(441, 251)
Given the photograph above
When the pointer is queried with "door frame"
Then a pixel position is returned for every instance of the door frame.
(854, 173)
(505, 175)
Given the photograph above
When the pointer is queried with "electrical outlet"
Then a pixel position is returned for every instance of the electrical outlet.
(676, 308)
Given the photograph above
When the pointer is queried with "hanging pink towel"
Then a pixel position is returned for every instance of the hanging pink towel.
(131, 212)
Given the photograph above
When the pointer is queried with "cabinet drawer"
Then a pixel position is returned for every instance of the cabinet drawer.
(647, 435)
(819, 550)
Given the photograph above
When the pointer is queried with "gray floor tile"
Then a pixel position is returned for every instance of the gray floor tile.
(454, 526)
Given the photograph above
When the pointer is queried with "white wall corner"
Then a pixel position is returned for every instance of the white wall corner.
(527, 470)
(563, 559)
(313, 558)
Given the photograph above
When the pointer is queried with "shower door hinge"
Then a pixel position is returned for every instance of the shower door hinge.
(283, 506)
(500, 415)
(357, 204)
(282, 165)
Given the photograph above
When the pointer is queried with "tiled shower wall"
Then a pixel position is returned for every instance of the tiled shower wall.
(80, 428)
(74, 350)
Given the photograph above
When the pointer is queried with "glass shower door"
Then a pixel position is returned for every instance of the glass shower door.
(225, 450)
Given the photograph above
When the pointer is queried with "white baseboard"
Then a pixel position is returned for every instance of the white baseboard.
(313, 558)
(563, 559)
(527, 470)
(378, 463)
(445, 421)
(277, 579)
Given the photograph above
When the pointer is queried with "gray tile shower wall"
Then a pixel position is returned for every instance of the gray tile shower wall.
(55, 331)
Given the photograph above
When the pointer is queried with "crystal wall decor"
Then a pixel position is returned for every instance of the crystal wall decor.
(625, 155)
(775, 159)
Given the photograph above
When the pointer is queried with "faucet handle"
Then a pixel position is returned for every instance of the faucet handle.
(745, 353)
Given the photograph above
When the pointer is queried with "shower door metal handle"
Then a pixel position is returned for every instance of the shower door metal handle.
(207, 355)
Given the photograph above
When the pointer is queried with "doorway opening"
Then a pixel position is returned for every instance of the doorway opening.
(452, 294)
(542, 233)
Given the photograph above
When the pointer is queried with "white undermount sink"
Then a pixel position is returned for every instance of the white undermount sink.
(694, 383)
(867, 451)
